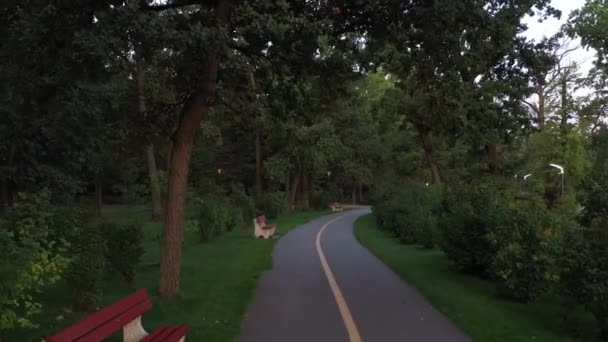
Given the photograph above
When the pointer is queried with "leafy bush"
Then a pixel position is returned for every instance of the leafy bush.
(32, 257)
(410, 212)
(584, 256)
(66, 224)
(123, 247)
(425, 226)
(234, 218)
(389, 209)
(466, 223)
(320, 200)
(205, 232)
(272, 204)
(191, 226)
(137, 193)
(526, 238)
(426, 215)
(86, 270)
(584, 270)
(244, 202)
(212, 217)
(595, 197)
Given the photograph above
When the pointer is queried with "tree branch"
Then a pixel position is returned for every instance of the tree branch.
(598, 119)
(169, 5)
(531, 105)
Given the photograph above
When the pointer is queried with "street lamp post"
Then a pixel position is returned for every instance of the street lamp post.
(561, 172)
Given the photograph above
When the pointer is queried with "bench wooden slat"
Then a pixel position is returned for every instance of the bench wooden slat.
(128, 309)
(110, 327)
(159, 332)
(167, 334)
(178, 334)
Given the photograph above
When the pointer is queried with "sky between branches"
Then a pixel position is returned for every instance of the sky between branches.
(551, 26)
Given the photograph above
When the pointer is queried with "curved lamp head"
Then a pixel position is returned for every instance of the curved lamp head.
(561, 168)
(528, 175)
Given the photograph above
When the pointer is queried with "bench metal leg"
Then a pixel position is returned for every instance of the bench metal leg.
(133, 331)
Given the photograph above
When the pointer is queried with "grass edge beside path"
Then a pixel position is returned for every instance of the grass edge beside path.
(218, 281)
(468, 301)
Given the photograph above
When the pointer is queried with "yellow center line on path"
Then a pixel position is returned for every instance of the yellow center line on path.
(349, 323)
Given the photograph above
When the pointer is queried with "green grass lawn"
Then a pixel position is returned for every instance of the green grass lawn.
(470, 302)
(218, 280)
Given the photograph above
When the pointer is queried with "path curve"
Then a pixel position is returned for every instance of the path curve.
(294, 301)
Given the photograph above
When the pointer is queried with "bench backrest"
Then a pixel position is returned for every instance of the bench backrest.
(106, 321)
(261, 219)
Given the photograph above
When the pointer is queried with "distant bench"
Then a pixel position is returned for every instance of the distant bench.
(336, 207)
(263, 229)
(125, 314)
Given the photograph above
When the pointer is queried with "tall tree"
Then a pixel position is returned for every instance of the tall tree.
(195, 109)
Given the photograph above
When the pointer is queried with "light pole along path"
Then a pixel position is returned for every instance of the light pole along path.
(324, 286)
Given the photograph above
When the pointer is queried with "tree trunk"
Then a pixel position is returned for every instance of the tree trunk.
(4, 203)
(258, 143)
(258, 165)
(434, 167)
(360, 192)
(287, 192)
(6, 192)
(163, 189)
(492, 158)
(171, 250)
(157, 208)
(168, 156)
(192, 114)
(98, 193)
(305, 191)
(427, 146)
(564, 104)
(354, 193)
(311, 190)
(295, 182)
(157, 203)
(541, 108)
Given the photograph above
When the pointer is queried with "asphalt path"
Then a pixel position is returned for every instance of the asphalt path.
(324, 286)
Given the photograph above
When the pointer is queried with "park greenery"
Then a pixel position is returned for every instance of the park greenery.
(440, 113)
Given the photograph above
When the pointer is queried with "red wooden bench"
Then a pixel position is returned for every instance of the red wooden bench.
(263, 229)
(125, 314)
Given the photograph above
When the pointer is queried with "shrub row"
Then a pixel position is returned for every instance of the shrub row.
(526, 248)
(213, 215)
(410, 212)
(33, 255)
(41, 244)
(272, 204)
(98, 250)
